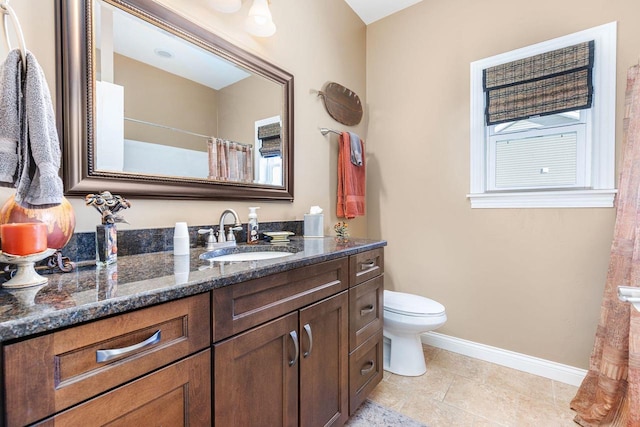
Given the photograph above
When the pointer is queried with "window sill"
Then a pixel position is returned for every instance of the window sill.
(544, 199)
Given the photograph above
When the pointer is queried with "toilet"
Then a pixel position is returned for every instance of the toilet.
(406, 316)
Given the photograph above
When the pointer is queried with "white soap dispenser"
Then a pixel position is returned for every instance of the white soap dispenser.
(253, 228)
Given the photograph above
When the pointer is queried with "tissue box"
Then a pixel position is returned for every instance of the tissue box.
(313, 225)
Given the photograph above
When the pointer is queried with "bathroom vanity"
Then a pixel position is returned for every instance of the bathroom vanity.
(289, 341)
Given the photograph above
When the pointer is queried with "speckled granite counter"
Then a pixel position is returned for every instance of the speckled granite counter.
(141, 280)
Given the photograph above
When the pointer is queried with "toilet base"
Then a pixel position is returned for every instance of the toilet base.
(403, 355)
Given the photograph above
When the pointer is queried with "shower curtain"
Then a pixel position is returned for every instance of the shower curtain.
(610, 393)
(230, 161)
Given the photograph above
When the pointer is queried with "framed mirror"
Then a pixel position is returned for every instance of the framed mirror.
(152, 105)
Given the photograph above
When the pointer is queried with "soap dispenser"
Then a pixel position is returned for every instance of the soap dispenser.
(252, 227)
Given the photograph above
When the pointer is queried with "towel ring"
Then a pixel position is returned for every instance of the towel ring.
(8, 10)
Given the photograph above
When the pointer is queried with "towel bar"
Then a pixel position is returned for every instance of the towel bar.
(7, 10)
(325, 131)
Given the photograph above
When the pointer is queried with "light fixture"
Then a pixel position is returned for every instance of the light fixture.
(163, 53)
(226, 6)
(259, 22)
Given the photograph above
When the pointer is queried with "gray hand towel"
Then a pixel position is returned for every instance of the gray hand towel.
(10, 117)
(39, 184)
(356, 149)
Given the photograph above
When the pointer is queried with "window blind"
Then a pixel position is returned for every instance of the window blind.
(271, 140)
(548, 83)
(543, 161)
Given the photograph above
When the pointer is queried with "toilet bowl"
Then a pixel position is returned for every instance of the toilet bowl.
(406, 316)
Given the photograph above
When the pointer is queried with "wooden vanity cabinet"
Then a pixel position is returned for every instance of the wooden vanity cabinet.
(298, 348)
(365, 324)
(292, 370)
(46, 377)
(302, 347)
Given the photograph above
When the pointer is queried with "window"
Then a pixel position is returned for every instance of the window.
(556, 153)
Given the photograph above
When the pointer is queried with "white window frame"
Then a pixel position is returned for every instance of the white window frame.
(602, 136)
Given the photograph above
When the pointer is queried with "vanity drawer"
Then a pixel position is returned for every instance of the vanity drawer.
(365, 370)
(365, 266)
(244, 305)
(365, 311)
(62, 367)
(177, 395)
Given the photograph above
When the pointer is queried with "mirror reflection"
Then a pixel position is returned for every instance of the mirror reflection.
(155, 106)
(168, 107)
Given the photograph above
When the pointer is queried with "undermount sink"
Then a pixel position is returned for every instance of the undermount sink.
(247, 253)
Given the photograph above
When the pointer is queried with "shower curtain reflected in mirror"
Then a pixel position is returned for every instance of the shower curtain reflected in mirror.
(230, 161)
(610, 393)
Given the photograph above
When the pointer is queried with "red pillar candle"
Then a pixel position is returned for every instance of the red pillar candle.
(23, 238)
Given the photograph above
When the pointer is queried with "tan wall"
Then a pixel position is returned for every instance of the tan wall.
(527, 280)
(243, 103)
(316, 41)
(156, 96)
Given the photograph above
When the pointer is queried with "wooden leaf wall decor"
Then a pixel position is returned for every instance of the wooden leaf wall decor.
(342, 104)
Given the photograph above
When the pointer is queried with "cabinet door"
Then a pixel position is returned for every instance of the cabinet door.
(256, 376)
(324, 348)
(177, 395)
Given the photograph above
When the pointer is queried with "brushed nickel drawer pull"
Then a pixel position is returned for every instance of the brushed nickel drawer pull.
(366, 310)
(294, 337)
(307, 329)
(106, 355)
(369, 367)
(367, 265)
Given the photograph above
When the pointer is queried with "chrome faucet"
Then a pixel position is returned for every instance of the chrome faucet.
(236, 227)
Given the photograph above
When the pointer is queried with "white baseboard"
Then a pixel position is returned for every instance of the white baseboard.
(533, 365)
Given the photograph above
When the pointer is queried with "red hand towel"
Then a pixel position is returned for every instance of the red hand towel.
(351, 181)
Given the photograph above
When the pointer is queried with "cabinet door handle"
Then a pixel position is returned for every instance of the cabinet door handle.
(367, 265)
(106, 355)
(294, 337)
(368, 367)
(367, 309)
(307, 329)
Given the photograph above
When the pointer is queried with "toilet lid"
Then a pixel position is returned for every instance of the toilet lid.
(412, 305)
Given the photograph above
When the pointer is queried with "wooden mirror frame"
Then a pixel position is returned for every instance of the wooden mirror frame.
(76, 110)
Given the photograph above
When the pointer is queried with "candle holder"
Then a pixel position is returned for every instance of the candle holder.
(26, 274)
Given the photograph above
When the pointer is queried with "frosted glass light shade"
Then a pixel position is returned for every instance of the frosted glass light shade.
(226, 6)
(259, 22)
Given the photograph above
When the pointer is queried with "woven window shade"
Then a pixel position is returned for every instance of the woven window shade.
(549, 83)
(271, 140)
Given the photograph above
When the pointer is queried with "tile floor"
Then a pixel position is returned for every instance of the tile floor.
(462, 391)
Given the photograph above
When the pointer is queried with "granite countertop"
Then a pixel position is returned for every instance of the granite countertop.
(137, 281)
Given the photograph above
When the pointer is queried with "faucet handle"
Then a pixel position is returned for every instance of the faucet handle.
(230, 236)
(211, 239)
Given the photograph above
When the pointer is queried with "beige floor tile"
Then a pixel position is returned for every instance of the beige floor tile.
(436, 414)
(461, 391)
(465, 366)
(493, 403)
(389, 395)
(563, 393)
(483, 422)
(430, 353)
(535, 412)
(520, 382)
(432, 385)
